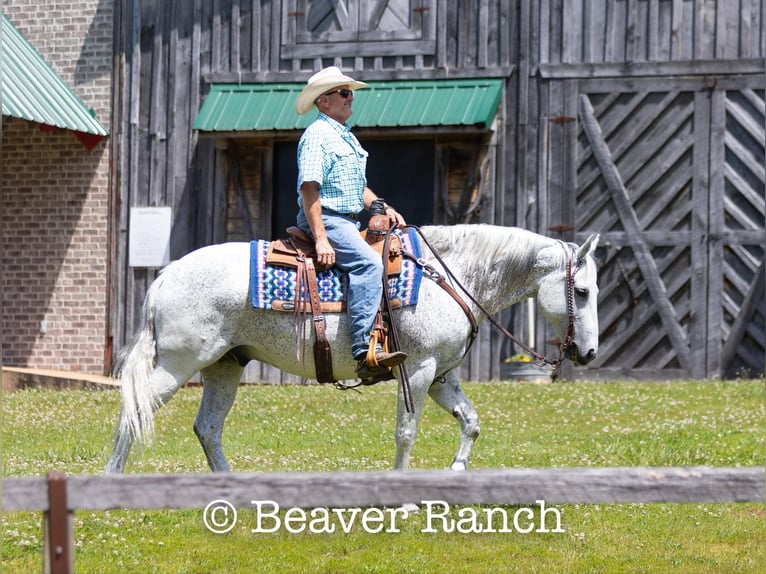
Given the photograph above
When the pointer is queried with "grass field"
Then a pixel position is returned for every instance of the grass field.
(316, 428)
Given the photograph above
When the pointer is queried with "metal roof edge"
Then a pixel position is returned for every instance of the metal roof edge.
(219, 114)
(33, 91)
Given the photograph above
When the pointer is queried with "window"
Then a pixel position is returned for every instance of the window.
(357, 28)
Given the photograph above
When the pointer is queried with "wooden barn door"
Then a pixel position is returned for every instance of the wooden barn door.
(673, 179)
(737, 283)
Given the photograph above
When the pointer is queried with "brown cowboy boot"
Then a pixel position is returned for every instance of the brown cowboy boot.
(385, 362)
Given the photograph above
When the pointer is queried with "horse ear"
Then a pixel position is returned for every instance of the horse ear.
(588, 247)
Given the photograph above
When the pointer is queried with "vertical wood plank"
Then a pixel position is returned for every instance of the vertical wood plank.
(195, 86)
(555, 28)
(441, 34)
(505, 28)
(132, 170)
(255, 41)
(482, 37)
(463, 30)
(715, 213)
(276, 17)
(700, 331)
(633, 35)
(744, 39)
(713, 15)
(676, 22)
(569, 154)
(589, 32)
(613, 34)
(654, 34)
(543, 22)
(157, 111)
(235, 24)
(664, 27)
(215, 37)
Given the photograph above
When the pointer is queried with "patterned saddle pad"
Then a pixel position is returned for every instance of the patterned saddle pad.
(273, 286)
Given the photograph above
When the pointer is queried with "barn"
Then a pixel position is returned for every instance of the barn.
(641, 120)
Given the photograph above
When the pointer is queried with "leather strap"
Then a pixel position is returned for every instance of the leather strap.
(322, 351)
(438, 278)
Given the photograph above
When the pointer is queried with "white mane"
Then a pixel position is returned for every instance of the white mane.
(516, 248)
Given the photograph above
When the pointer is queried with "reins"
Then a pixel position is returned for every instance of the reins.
(439, 279)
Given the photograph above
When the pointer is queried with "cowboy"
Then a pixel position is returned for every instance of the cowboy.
(332, 191)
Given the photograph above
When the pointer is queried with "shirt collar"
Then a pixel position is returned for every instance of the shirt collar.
(342, 129)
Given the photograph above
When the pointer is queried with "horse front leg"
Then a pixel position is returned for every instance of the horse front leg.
(220, 383)
(449, 396)
(407, 423)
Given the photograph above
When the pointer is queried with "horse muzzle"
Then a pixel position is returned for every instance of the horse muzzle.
(573, 354)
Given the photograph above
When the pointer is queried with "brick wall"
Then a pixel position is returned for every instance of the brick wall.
(54, 195)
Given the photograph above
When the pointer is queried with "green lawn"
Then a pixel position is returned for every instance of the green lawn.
(319, 429)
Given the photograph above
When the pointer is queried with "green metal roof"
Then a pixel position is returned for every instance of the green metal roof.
(257, 107)
(32, 91)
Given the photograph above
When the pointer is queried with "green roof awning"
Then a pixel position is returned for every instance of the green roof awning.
(416, 103)
(32, 91)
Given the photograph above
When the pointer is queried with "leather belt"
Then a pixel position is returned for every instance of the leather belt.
(354, 216)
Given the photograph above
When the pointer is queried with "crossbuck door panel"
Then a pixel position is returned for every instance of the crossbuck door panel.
(674, 182)
(737, 224)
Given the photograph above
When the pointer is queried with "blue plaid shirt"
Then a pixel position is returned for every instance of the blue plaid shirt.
(329, 154)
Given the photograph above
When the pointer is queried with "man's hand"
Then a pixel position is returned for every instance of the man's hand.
(325, 252)
(394, 217)
(313, 210)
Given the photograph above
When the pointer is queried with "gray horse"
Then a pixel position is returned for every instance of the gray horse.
(197, 317)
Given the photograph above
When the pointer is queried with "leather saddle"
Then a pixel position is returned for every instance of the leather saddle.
(298, 251)
(299, 243)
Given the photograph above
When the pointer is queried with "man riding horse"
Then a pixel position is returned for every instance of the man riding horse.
(332, 191)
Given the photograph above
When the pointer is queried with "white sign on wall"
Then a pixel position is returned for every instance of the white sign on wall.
(149, 236)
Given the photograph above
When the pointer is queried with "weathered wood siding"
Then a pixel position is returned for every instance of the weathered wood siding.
(607, 65)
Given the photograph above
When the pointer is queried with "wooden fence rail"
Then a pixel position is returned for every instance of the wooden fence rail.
(350, 489)
(58, 496)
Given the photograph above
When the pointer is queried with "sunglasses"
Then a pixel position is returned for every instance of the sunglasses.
(343, 93)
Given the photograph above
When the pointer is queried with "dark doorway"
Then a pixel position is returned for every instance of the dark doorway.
(400, 171)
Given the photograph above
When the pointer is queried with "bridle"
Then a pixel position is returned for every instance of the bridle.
(569, 335)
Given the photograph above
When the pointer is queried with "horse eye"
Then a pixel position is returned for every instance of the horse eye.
(581, 292)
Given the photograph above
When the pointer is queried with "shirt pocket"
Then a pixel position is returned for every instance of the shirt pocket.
(347, 159)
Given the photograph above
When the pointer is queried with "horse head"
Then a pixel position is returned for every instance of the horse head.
(567, 296)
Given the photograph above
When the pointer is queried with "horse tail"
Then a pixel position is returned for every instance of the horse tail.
(134, 366)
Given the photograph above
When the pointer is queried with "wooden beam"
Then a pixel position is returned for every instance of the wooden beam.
(356, 489)
(651, 69)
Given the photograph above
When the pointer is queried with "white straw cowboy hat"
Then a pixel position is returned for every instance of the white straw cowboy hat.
(321, 82)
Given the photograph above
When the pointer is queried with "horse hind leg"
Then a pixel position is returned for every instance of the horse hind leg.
(449, 396)
(220, 383)
(119, 457)
(136, 415)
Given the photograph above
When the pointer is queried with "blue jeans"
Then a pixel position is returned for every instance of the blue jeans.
(364, 268)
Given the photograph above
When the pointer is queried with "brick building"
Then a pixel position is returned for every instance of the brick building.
(55, 194)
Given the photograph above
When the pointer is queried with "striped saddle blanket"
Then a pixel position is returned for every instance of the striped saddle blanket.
(273, 286)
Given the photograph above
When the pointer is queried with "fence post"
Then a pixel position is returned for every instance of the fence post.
(58, 541)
